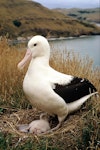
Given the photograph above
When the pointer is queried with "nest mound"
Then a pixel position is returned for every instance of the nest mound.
(10, 119)
(67, 135)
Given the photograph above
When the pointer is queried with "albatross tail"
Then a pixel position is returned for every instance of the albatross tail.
(77, 104)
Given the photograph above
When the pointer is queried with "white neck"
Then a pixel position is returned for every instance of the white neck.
(38, 64)
(40, 60)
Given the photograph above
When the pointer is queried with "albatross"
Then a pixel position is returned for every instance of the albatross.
(51, 91)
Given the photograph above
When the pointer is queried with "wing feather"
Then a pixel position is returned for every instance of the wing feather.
(74, 90)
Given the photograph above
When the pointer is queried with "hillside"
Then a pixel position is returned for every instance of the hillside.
(26, 18)
(90, 15)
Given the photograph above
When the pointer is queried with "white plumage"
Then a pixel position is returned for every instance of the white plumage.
(37, 126)
(49, 90)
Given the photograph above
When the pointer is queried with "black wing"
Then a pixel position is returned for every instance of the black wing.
(75, 90)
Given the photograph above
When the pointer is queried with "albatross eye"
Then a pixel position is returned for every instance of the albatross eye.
(35, 44)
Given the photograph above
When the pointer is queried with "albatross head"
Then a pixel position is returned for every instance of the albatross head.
(38, 46)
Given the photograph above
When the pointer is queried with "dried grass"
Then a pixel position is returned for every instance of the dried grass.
(15, 110)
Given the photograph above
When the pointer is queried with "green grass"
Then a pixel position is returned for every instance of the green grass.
(10, 142)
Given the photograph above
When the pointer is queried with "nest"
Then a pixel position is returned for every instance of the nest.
(67, 134)
(11, 118)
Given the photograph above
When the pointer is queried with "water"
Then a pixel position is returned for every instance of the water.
(84, 46)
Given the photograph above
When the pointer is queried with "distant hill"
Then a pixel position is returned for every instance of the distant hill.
(90, 15)
(27, 18)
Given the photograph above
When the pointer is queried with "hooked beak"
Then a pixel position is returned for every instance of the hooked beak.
(27, 57)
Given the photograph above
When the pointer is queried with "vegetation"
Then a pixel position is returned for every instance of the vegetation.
(17, 23)
(80, 130)
(27, 18)
(90, 15)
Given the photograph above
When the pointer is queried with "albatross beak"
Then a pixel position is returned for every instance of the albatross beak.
(27, 57)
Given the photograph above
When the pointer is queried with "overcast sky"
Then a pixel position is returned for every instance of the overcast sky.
(70, 3)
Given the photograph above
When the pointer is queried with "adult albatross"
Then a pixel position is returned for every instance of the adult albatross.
(49, 90)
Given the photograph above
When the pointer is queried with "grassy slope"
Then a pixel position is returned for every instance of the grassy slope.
(91, 14)
(36, 19)
(80, 130)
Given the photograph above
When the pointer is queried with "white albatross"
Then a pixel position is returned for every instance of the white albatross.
(49, 90)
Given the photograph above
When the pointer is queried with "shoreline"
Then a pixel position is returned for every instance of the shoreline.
(23, 40)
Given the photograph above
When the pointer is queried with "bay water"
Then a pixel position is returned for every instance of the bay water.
(84, 46)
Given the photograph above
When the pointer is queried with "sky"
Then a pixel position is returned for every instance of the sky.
(69, 3)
